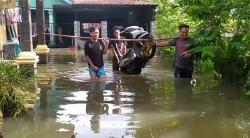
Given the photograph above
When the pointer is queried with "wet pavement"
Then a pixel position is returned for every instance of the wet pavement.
(150, 105)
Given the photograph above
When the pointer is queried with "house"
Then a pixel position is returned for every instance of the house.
(74, 17)
(48, 14)
(9, 17)
(105, 14)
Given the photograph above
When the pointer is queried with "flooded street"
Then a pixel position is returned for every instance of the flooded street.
(150, 105)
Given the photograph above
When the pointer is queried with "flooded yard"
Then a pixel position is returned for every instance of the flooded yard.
(150, 105)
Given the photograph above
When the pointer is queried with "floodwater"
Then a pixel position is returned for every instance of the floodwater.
(149, 105)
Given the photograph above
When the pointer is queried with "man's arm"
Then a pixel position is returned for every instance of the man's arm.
(166, 44)
(90, 62)
(188, 53)
(105, 44)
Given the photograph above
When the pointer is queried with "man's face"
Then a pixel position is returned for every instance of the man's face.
(117, 34)
(94, 35)
(184, 32)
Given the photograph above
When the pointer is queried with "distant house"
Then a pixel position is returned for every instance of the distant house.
(104, 14)
(74, 17)
(10, 16)
(48, 13)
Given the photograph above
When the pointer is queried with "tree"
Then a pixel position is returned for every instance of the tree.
(222, 34)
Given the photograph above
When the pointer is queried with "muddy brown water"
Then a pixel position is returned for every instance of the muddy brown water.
(150, 105)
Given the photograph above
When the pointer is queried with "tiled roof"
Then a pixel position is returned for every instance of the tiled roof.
(112, 2)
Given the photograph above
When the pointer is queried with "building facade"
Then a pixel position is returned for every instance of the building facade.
(105, 14)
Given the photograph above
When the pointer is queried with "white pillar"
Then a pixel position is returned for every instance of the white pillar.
(76, 31)
(153, 28)
(104, 29)
(77, 41)
(51, 24)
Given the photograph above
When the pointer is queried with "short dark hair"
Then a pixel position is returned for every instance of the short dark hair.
(92, 29)
(117, 28)
(183, 26)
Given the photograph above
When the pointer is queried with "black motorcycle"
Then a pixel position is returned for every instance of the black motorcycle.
(140, 51)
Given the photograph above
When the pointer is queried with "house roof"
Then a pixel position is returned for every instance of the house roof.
(112, 2)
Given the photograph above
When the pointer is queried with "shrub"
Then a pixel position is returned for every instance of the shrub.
(13, 94)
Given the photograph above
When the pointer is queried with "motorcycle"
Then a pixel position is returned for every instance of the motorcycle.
(140, 52)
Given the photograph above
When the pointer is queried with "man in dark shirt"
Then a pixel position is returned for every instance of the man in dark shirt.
(94, 50)
(184, 58)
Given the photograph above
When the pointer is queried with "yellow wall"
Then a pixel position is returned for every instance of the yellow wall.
(3, 37)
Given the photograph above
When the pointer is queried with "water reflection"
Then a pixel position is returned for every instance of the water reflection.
(95, 105)
(97, 109)
(139, 88)
(29, 127)
(127, 106)
(183, 94)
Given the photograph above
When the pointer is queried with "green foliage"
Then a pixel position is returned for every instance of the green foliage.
(170, 52)
(13, 96)
(221, 32)
(222, 38)
(169, 16)
(205, 65)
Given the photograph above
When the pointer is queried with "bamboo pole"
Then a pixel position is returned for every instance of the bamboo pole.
(87, 38)
(110, 39)
(116, 55)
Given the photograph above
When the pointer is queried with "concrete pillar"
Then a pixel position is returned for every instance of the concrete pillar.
(25, 26)
(78, 43)
(153, 28)
(27, 60)
(104, 29)
(51, 24)
(76, 33)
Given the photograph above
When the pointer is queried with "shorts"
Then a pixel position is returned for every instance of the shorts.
(98, 73)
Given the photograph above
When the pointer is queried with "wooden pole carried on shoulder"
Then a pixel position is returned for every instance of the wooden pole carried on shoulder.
(87, 38)
(110, 39)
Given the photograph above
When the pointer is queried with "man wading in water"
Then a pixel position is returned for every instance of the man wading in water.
(184, 58)
(94, 51)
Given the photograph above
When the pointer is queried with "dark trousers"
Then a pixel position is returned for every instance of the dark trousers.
(183, 72)
(115, 64)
